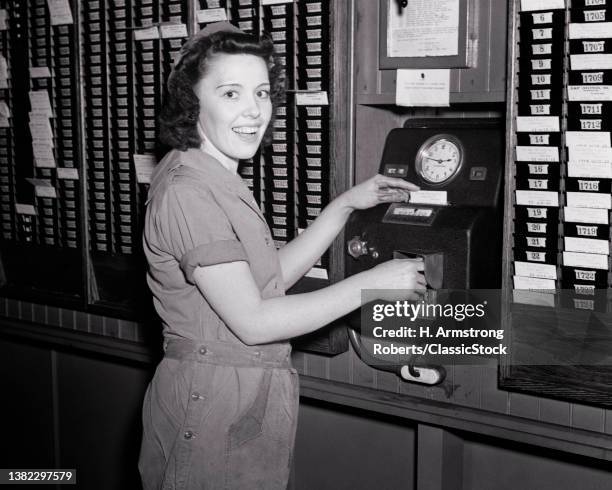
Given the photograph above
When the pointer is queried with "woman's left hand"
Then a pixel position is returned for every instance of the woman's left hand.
(377, 190)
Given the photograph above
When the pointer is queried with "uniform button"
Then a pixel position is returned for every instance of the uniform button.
(196, 396)
(188, 435)
(202, 350)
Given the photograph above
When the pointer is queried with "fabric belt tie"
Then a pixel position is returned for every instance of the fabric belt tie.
(228, 353)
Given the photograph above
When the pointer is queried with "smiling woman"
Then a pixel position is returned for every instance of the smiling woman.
(221, 410)
(235, 106)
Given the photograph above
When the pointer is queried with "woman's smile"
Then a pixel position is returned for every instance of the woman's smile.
(246, 131)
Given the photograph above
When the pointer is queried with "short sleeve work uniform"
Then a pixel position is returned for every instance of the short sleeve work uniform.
(218, 414)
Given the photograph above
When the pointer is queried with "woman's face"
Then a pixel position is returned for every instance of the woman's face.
(235, 105)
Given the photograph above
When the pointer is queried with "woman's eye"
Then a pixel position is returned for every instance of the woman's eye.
(230, 94)
(263, 94)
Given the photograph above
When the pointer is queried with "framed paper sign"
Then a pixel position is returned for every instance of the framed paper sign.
(426, 34)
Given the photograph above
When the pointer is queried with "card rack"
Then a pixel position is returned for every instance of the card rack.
(586, 256)
(562, 162)
(8, 216)
(313, 145)
(558, 302)
(42, 235)
(127, 52)
(278, 158)
(74, 166)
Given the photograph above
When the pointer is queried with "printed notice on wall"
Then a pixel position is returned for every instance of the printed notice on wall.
(59, 12)
(211, 15)
(3, 19)
(40, 102)
(423, 88)
(423, 28)
(168, 31)
(144, 164)
(531, 5)
(43, 188)
(25, 209)
(311, 98)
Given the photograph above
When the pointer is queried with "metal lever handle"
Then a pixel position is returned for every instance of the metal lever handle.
(421, 374)
(357, 247)
(427, 375)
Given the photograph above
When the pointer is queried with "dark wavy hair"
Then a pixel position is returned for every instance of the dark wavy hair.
(181, 107)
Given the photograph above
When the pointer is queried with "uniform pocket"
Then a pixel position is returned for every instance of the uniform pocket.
(259, 443)
(192, 403)
(249, 424)
(290, 392)
(172, 384)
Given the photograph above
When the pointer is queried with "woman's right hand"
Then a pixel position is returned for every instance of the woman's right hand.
(406, 274)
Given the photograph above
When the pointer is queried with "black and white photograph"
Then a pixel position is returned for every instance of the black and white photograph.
(306, 244)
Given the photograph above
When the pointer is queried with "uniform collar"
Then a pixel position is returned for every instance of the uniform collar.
(211, 169)
(207, 164)
(215, 173)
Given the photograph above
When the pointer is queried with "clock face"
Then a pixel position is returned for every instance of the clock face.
(439, 159)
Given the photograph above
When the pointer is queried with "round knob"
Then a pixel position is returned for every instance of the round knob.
(357, 247)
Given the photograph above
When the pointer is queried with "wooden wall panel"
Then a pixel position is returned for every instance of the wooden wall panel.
(366, 73)
(372, 124)
(26, 422)
(363, 375)
(491, 398)
(588, 418)
(488, 466)
(608, 422)
(99, 415)
(339, 367)
(524, 406)
(466, 384)
(440, 459)
(317, 366)
(555, 411)
(386, 381)
(345, 450)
